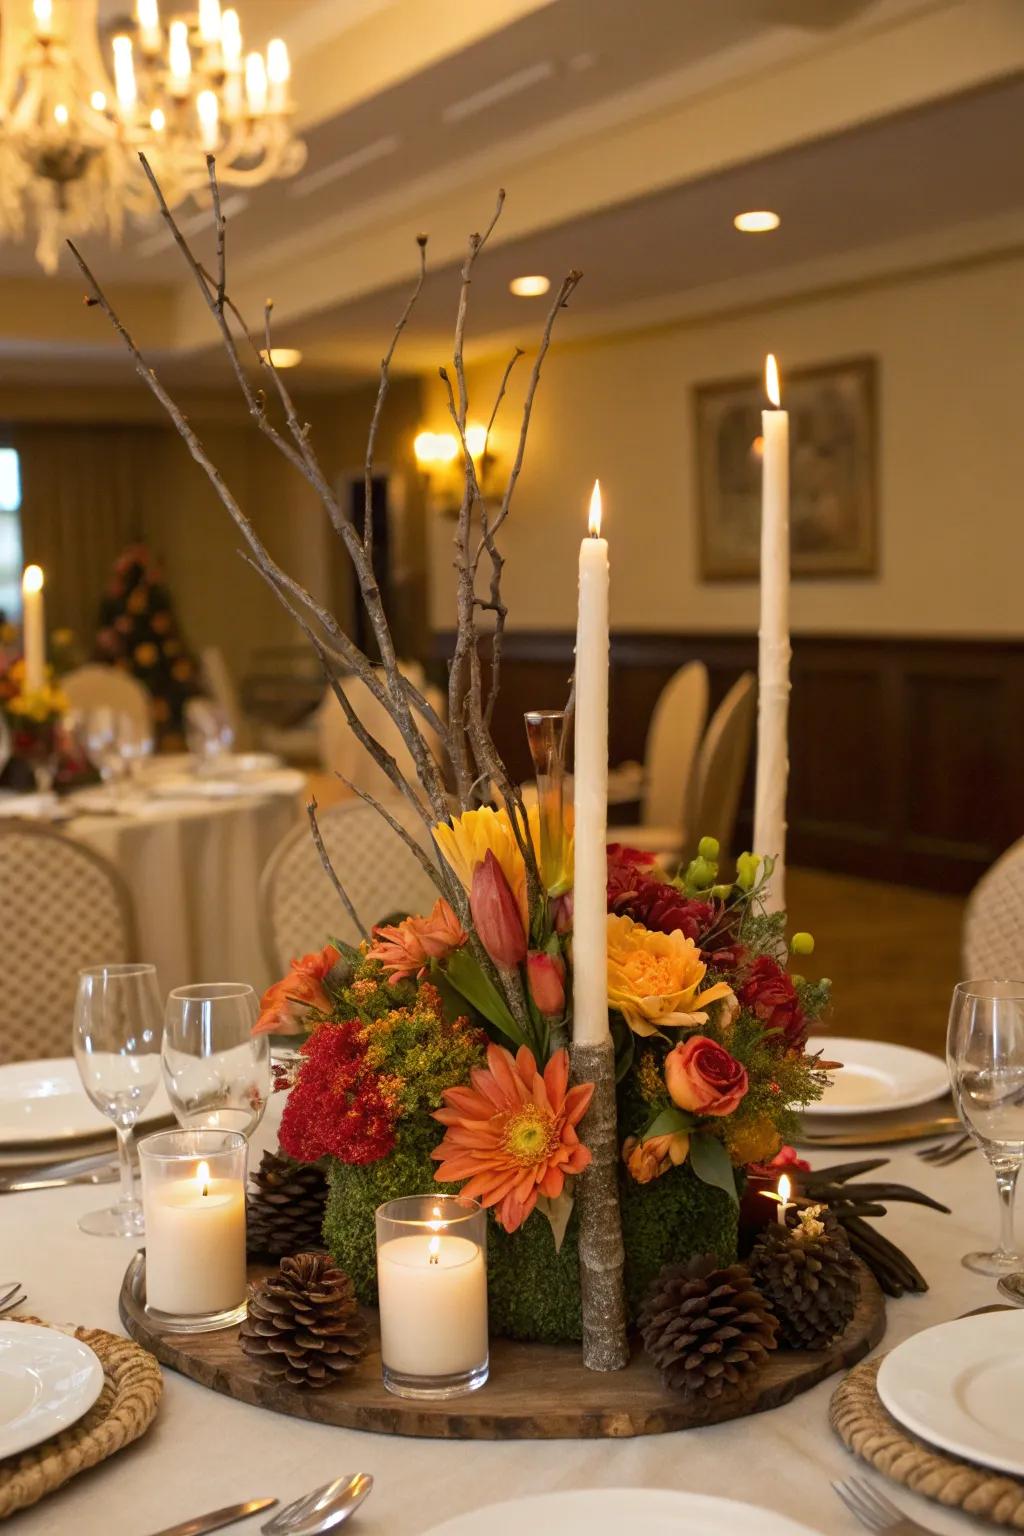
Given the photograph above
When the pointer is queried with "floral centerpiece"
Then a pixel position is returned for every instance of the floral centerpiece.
(413, 1071)
(32, 717)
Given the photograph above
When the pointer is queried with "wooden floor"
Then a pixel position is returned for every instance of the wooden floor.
(893, 954)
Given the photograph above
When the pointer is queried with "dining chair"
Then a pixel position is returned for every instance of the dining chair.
(993, 938)
(722, 764)
(62, 907)
(97, 687)
(666, 784)
(299, 907)
(342, 752)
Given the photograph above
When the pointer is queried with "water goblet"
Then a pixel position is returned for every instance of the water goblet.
(116, 1044)
(217, 1073)
(985, 1053)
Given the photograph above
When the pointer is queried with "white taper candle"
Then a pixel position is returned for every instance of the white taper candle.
(590, 905)
(33, 628)
(774, 646)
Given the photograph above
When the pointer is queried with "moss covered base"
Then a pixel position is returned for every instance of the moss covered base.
(533, 1292)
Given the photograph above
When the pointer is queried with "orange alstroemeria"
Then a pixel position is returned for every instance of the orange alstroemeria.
(406, 949)
(285, 1005)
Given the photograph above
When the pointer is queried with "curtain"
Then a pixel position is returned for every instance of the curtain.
(84, 491)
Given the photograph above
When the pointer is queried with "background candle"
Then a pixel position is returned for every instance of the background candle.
(773, 647)
(33, 624)
(590, 905)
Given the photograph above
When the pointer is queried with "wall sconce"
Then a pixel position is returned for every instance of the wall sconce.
(439, 457)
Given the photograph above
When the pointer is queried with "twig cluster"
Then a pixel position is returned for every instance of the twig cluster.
(471, 765)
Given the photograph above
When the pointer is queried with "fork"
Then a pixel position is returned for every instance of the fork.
(877, 1512)
(11, 1298)
(947, 1152)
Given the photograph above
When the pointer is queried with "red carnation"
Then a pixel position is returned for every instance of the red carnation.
(769, 992)
(337, 1107)
(664, 909)
(629, 870)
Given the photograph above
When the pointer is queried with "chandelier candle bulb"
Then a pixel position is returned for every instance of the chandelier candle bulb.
(231, 41)
(124, 73)
(590, 907)
(279, 72)
(147, 16)
(255, 84)
(208, 110)
(33, 626)
(179, 58)
(210, 22)
(42, 12)
(432, 1279)
(773, 641)
(193, 1191)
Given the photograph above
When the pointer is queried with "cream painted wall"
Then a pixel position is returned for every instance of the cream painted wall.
(950, 347)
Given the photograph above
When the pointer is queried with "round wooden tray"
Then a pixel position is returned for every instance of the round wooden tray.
(535, 1391)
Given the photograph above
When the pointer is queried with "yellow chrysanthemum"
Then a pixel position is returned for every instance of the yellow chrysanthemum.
(466, 843)
(654, 979)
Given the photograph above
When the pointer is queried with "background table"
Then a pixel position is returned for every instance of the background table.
(205, 1450)
(193, 869)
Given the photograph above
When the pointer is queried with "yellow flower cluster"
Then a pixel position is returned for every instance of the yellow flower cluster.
(39, 706)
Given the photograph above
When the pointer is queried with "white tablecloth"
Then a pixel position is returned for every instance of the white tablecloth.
(193, 870)
(204, 1450)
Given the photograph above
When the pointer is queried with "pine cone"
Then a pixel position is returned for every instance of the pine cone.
(808, 1276)
(285, 1209)
(708, 1330)
(303, 1324)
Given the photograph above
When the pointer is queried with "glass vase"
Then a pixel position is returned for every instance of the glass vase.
(547, 731)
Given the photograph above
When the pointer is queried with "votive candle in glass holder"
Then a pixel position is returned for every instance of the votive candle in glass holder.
(193, 1196)
(432, 1279)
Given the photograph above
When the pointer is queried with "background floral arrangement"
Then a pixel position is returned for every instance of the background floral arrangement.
(414, 1068)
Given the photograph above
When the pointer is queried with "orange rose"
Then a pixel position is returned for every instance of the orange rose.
(703, 1078)
(648, 1160)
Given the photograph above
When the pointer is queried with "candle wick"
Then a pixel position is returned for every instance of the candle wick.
(206, 1190)
(432, 1259)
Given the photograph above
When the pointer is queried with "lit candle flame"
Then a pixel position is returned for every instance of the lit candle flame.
(124, 73)
(433, 1249)
(231, 39)
(32, 578)
(279, 69)
(203, 1178)
(179, 56)
(42, 10)
(771, 380)
(256, 84)
(785, 1188)
(207, 108)
(60, 114)
(594, 520)
(209, 21)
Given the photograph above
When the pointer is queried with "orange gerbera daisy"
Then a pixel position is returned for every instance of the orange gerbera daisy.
(512, 1134)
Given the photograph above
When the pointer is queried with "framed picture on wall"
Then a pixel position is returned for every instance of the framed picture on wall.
(833, 507)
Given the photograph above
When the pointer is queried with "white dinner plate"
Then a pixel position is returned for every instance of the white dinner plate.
(611, 1511)
(228, 764)
(961, 1387)
(48, 1380)
(43, 1102)
(876, 1076)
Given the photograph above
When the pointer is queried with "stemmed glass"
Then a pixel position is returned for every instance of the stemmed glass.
(117, 1048)
(217, 1073)
(985, 1053)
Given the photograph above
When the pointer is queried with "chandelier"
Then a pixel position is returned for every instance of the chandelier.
(71, 131)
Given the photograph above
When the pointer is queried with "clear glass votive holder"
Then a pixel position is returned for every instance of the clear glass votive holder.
(193, 1196)
(432, 1279)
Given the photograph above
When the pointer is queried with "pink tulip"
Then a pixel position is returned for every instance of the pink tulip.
(546, 975)
(496, 915)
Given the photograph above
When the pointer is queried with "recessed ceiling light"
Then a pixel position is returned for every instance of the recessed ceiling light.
(283, 357)
(529, 287)
(758, 222)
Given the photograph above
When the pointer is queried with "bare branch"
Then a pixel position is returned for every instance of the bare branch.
(325, 860)
(429, 868)
(476, 245)
(382, 392)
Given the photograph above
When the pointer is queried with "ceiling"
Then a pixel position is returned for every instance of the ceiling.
(627, 133)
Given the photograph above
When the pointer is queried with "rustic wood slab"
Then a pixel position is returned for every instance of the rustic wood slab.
(535, 1391)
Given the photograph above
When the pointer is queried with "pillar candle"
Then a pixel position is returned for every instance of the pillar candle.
(195, 1244)
(773, 647)
(433, 1305)
(590, 905)
(33, 625)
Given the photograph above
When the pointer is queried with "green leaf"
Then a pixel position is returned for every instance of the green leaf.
(557, 1211)
(466, 977)
(669, 1122)
(710, 1162)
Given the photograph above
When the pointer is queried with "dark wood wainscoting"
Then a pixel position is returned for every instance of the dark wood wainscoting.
(907, 756)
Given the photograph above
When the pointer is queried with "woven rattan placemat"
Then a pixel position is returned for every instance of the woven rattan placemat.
(863, 1424)
(124, 1410)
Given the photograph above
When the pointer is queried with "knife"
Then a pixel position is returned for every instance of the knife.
(881, 1136)
(218, 1517)
(48, 1181)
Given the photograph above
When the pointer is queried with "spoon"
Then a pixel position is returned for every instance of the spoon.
(323, 1509)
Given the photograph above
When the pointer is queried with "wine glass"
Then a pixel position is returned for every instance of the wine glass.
(985, 1052)
(101, 736)
(208, 733)
(117, 1048)
(217, 1072)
